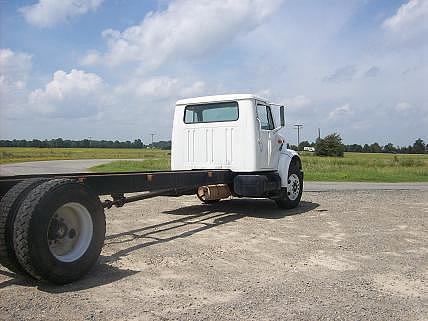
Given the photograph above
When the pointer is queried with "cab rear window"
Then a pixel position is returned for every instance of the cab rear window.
(213, 112)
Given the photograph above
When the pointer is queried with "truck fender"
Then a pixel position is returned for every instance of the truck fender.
(285, 158)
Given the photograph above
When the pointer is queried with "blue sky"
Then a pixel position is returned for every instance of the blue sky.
(112, 69)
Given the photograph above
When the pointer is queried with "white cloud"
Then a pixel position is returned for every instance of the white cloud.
(47, 13)
(372, 72)
(195, 89)
(402, 106)
(185, 29)
(14, 70)
(411, 19)
(297, 101)
(91, 58)
(264, 93)
(159, 88)
(76, 94)
(341, 74)
(340, 112)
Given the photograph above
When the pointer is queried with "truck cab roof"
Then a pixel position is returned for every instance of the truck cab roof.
(218, 98)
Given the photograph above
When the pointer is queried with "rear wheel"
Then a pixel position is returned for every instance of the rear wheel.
(9, 206)
(59, 231)
(290, 196)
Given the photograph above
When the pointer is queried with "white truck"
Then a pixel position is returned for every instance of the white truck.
(52, 227)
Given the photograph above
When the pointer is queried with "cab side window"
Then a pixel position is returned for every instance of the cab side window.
(265, 117)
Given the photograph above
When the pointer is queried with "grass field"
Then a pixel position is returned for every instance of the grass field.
(353, 167)
(18, 154)
(361, 167)
(134, 166)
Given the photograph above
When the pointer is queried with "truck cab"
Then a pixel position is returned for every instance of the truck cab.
(236, 132)
(239, 132)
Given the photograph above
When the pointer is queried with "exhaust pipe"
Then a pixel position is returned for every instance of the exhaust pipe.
(213, 192)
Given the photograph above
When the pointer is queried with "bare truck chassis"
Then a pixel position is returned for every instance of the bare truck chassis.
(52, 227)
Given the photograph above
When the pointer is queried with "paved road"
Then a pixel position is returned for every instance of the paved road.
(82, 165)
(51, 167)
(359, 186)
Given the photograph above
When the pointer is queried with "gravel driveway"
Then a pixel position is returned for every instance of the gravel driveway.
(351, 255)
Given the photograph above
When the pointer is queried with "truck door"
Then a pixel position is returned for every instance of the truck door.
(267, 138)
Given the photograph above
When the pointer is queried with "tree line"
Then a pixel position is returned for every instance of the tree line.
(332, 145)
(84, 143)
(418, 147)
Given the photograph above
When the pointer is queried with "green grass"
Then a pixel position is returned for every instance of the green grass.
(27, 154)
(360, 167)
(133, 166)
(356, 167)
(353, 167)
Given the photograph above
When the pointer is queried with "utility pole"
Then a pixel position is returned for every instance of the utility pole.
(153, 135)
(319, 133)
(298, 126)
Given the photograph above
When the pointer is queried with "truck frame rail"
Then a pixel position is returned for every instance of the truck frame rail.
(131, 182)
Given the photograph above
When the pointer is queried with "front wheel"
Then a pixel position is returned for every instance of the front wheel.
(290, 196)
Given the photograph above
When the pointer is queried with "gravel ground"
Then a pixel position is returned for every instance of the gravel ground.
(350, 255)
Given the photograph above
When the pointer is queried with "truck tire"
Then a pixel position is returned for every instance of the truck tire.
(9, 206)
(290, 197)
(59, 231)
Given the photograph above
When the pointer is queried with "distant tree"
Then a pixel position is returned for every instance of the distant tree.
(419, 147)
(356, 148)
(304, 144)
(36, 143)
(405, 150)
(389, 148)
(366, 148)
(162, 144)
(375, 148)
(137, 143)
(331, 145)
(293, 147)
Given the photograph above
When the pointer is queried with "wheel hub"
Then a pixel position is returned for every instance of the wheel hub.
(70, 232)
(58, 229)
(293, 187)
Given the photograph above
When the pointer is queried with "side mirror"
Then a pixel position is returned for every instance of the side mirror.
(282, 116)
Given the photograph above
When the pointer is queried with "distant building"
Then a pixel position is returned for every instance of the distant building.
(309, 149)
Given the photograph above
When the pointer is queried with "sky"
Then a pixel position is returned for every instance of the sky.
(113, 69)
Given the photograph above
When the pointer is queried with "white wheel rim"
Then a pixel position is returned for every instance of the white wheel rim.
(293, 187)
(70, 232)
